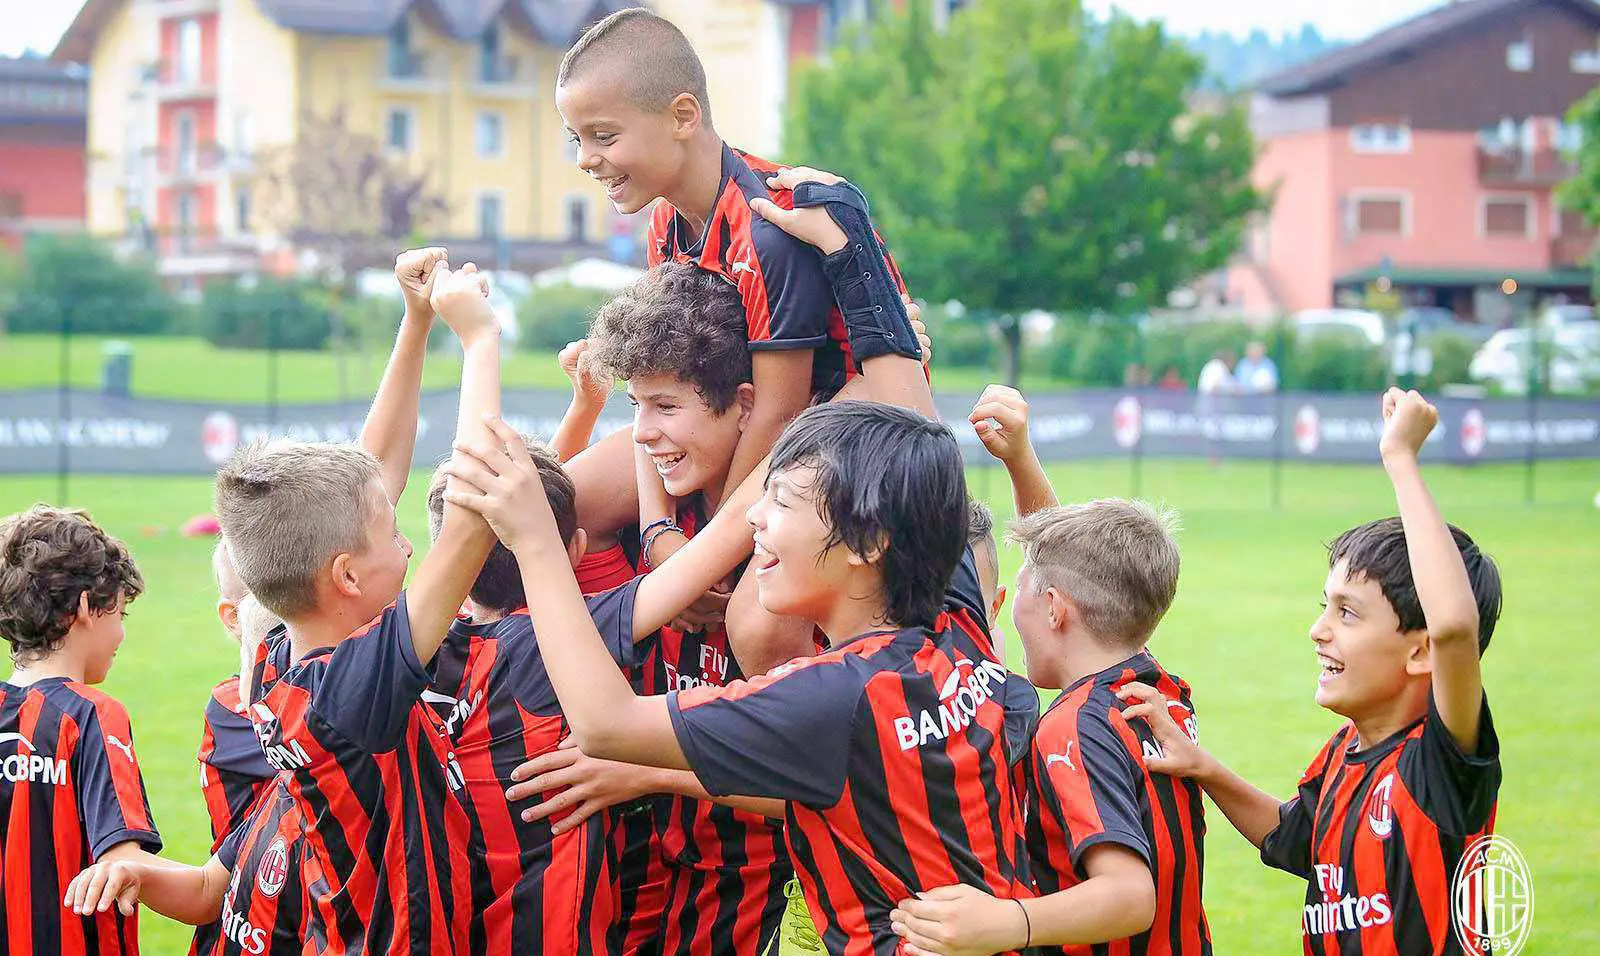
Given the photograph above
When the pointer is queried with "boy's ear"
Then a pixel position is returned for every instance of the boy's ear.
(342, 574)
(687, 115)
(1060, 609)
(1419, 659)
(873, 556)
(228, 614)
(999, 603)
(745, 400)
(578, 547)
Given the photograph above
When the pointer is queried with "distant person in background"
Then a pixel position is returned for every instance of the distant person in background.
(1256, 374)
(1215, 384)
(1172, 380)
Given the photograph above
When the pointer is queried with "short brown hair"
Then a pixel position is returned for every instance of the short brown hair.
(657, 60)
(1117, 559)
(499, 584)
(678, 320)
(287, 508)
(49, 559)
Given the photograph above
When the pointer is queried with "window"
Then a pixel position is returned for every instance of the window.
(185, 214)
(244, 138)
(241, 207)
(188, 65)
(1380, 215)
(577, 218)
(397, 130)
(491, 135)
(1508, 217)
(491, 215)
(489, 56)
(1569, 137)
(402, 62)
(1519, 56)
(1381, 138)
(1587, 61)
(186, 144)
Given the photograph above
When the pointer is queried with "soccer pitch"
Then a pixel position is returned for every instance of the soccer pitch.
(1249, 590)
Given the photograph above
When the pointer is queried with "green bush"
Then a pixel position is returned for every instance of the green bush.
(271, 313)
(552, 316)
(1336, 363)
(1451, 356)
(79, 279)
(961, 339)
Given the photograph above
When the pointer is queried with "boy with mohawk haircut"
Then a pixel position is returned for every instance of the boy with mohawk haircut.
(632, 94)
(1388, 808)
(70, 788)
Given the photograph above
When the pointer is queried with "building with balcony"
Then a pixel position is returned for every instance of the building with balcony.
(42, 135)
(1424, 158)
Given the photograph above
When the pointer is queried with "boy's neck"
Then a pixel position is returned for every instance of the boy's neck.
(483, 615)
(1085, 655)
(312, 634)
(701, 184)
(1384, 722)
(853, 617)
(57, 665)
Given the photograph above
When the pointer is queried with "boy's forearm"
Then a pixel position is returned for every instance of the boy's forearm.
(1030, 486)
(390, 430)
(782, 381)
(684, 783)
(188, 894)
(700, 564)
(1251, 810)
(1094, 911)
(576, 428)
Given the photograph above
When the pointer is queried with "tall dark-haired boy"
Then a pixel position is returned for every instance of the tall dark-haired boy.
(632, 93)
(890, 748)
(1388, 807)
(70, 788)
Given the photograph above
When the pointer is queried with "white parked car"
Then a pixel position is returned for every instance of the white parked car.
(1309, 323)
(1574, 357)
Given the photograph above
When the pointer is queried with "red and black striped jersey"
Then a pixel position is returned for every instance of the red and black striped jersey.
(602, 570)
(264, 909)
(385, 864)
(70, 789)
(233, 770)
(1088, 785)
(787, 299)
(891, 750)
(1378, 835)
(531, 892)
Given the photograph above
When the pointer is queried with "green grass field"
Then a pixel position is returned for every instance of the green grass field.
(1250, 586)
(191, 368)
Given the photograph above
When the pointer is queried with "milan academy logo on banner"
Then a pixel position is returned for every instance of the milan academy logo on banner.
(1473, 434)
(1127, 421)
(219, 437)
(1491, 898)
(1307, 430)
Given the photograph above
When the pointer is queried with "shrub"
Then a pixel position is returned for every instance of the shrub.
(78, 278)
(273, 312)
(1336, 363)
(552, 316)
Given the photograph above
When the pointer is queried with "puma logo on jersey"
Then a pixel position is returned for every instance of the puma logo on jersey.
(741, 266)
(124, 747)
(1064, 756)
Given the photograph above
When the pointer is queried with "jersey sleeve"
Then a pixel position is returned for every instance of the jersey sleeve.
(1288, 846)
(111, 794)
(1096, 782)
(235, 748)
(371, 683)
(522, 665)
(1021, 701)
(759, 738)
(1456, 790)
(787, 297)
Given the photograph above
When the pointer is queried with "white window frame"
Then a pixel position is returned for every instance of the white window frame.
(1519, 55)
(1361, 140)
(411, 130)
(1356, 197)
(1586, 61)
(189, 59)
(499, 196)
(499, 119)
(1531, 220)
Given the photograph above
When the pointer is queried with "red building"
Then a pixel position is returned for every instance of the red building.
(42, 136)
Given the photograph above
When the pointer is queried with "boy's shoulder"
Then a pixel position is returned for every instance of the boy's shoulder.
(80, 700)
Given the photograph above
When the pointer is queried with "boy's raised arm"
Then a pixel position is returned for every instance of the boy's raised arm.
(1000, 418)
(453, 563)
(127, 875)
(589, 391)
(390, 430)
(1440, 575)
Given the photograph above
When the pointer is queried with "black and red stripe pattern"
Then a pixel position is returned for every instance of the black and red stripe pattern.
(233, 771)
(1087, 785)
(1378, 834)
(264, 909)
(70, 789)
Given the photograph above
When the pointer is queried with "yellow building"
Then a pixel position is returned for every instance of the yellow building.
(186, 95)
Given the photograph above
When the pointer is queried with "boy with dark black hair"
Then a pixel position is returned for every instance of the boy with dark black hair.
(896, 787)
(70, 788)
(1388, 808)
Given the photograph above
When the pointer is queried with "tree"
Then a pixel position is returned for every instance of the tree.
(76, 277)
(336, 193)
(1581, 193)
(1033, 158)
